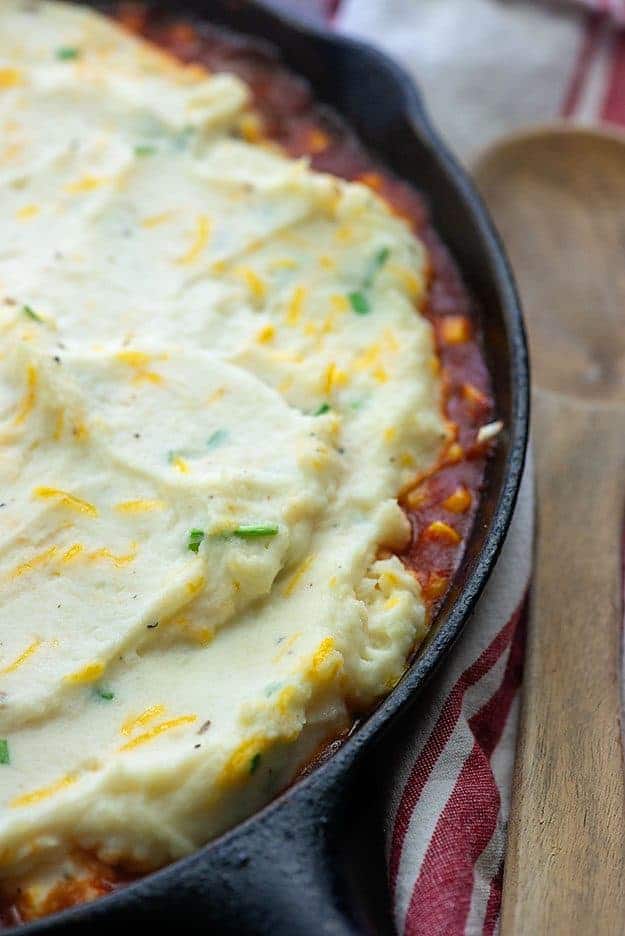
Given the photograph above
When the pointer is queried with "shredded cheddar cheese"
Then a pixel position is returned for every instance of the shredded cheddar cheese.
(88, 183)
(294, 308)
(117, 560)
(9, 78)
(267, 333)
(156, 220)
(298, 575)
(34, 562)
(200, 242)
(72, 552)
(139, 506)
(255, 284)
(43, 793)
(28, 401)
(326, 661)
(196, 585)
(144, 718)
(334, 378)
(241, 760)
(27, 211)
(66, 500)
(84, 675)
(21, 659)
(157, 730)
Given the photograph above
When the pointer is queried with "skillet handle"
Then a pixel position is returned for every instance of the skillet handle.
(310, 864)
(288, 871)
(279, 876)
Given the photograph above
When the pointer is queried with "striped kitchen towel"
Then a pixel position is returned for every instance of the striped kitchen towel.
(486, 68)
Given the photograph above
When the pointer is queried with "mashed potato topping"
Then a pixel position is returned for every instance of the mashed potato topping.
(214, 382)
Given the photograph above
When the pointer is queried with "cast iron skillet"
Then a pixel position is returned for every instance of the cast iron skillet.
(298, 867)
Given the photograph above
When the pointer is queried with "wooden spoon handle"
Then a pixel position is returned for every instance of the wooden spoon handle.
(565, 867)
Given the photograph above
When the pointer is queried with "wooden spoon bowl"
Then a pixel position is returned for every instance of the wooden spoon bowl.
(557, 195)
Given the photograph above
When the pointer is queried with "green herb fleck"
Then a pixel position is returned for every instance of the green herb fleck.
(249, 532)
(67, 53)
(324, 408)
(272, 687)
(144, 150)
(182, 138)
(195, 538)
(105, 694)
(26, 310)
(5, 757)
(359, 303)
(376, 265)
(217, 438)
(255, 763)
(359, 300)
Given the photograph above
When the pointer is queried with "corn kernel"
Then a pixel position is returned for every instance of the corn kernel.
(443, 532)
(435, 587)
(458, 502)
(455, 329)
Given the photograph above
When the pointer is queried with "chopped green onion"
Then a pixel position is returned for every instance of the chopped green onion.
(144, 150)
(105, 694)
(249, 532)
(359, 299)
(324, 408)
(359, 303)
(217, 438)
(195, 538)
(5, 757)
(67, 53)
(378, 262)
(26, 310)
(254, 763)
(181, 139)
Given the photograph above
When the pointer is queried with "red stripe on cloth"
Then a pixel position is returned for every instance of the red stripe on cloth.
(613, 108)
(488, 724)
(488, 727)
(585, 55)
(605, 6)
(438, 739)
(441, 898)
(332, 8)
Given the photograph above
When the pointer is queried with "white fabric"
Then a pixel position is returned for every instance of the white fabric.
(484, 67)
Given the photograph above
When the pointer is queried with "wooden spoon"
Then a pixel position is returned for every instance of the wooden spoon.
(558, 198)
